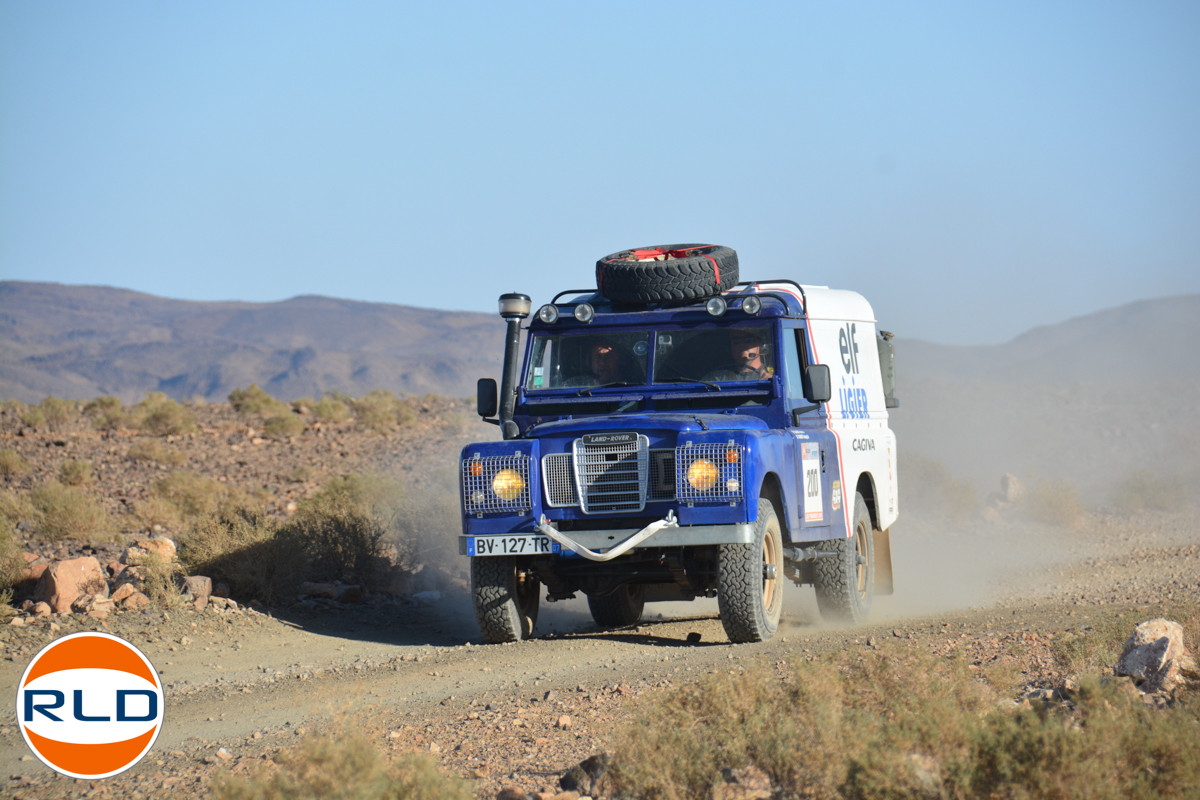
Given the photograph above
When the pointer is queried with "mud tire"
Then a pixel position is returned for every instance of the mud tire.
(846, 582)
(506, 602)
(750, 603)
(689, 272)
(620, 609)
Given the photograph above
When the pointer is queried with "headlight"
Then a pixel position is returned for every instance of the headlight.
(508, 484)
(702, 474)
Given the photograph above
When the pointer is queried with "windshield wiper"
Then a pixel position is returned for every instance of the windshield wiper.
(588, 389)
(712, 386)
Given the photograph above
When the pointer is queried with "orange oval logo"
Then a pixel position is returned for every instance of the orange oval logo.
(90, 705)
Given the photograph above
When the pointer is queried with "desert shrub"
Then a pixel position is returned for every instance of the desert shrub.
(12, 465)
(160, 580)
(196, 495)
(154, 451)
(11, 562)
(345, 526)
(930, 491)
(343, 768)
(15, 506)
(33, 416)
(1092, 649)
(381, 411)
(897, 724)
(66, 512)
(76, 472)
(283, 426)
(1151, 491)
(161, 416)
(106, 412)
(253, 401)
(246, 550)
(330, 410)
(1054, 502)
(156, 513)
(58, 413)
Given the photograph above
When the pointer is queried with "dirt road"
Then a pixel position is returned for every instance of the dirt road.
(241, 684)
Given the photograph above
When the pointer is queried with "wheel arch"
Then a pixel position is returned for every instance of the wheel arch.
(772, 489)
(883, 541)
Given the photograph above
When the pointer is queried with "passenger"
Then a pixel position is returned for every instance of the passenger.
(747, 361)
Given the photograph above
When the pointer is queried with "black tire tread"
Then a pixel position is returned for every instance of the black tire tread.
(691, 278)
(494, 595)
(739, 585)
(836, 578)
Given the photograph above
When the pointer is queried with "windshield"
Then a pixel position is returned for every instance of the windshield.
(587, 360)
(714, 355)
(709, 355)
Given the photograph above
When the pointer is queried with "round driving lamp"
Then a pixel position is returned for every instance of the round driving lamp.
(508, 484)
(584, 312)
(752, 305)
(548, 314)
(702, 474)
(715, 306)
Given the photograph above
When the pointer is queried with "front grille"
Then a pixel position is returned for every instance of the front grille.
(558, 476)
(612, 475)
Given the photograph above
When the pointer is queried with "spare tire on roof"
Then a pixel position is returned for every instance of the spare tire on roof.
(667, 272)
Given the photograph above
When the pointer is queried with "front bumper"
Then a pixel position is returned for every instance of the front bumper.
(605, 545)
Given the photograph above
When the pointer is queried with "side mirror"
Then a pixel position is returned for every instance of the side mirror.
(818, 386)
(487, 397)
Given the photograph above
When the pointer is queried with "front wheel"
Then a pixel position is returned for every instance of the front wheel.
(846, 582)
(749, 581)
(505, 598)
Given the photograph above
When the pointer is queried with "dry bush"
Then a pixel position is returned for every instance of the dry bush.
(253, 401)
(154, 451)
(283, 426)
(11, 563)
(160, 580)
(243, 549)
(15, 506)
(76, 472)
(66, 512)
(1054, 502)
(381, 411)
(900, 724)
(106, 412)
(58, 414)
(156, 513)
(929, 491)
(12, 465)
(32, 416)
(345, 767)
(196, 495)
(160, 415)
(330, 410)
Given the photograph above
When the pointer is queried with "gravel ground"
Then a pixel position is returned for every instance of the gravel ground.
(242, 684)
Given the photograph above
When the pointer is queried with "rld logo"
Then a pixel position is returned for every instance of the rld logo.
(90, 705)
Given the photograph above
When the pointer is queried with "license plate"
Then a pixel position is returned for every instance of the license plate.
(522, 545)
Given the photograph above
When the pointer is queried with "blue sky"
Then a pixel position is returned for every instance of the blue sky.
(973, 169)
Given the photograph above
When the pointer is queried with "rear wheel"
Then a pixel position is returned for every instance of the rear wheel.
(846, 582)
(505, 598)
(749, 581)
(620, 609)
